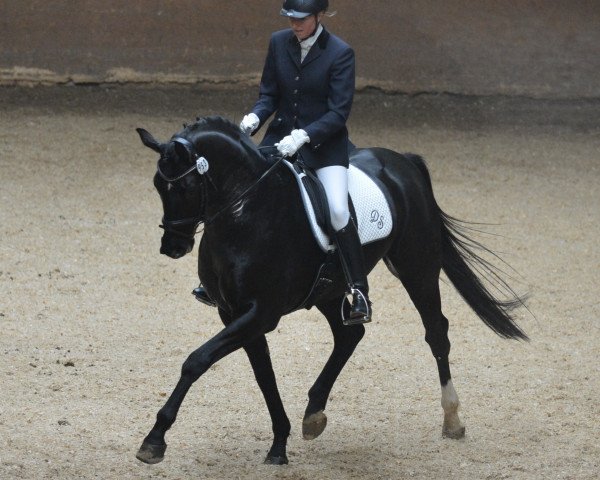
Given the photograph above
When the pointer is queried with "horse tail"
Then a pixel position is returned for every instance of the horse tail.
(465, 267)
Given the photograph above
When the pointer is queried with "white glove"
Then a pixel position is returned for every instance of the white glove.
(289, 145)
(249, 123)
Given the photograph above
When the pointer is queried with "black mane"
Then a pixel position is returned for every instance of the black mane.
(219, 124)
(216, 122)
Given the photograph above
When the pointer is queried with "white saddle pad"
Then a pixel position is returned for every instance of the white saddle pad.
(372, 210)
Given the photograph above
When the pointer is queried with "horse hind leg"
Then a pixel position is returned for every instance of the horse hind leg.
(424, 292)
(346, 338)
(453, 427)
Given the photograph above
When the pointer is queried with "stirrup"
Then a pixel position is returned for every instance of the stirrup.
(202, 297)
(356, 318)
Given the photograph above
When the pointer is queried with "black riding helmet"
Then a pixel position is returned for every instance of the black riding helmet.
(303, 8)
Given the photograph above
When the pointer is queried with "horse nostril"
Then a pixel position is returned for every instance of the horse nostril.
(175, 247)
(174, 254)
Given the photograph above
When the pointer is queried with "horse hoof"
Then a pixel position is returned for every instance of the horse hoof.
(151, 454)
(273, 460)
(313, 425)
(453, 433)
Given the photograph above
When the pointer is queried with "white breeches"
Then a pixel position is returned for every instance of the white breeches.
(335, 182)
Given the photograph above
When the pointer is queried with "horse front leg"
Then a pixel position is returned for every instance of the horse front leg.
(231, 338)
(346, 338)
(260, 359)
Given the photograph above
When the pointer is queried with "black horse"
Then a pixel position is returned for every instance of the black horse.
(258, 260)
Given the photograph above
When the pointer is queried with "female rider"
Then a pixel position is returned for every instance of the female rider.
(308, 82)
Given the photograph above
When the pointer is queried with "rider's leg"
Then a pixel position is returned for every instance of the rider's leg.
(353, 262)
(335, 183)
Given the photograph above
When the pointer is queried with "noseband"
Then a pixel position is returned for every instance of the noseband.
(201, 167)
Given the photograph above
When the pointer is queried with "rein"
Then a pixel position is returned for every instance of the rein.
(201, 166)
(244, 193)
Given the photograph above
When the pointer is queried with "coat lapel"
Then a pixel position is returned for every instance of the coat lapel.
(317, 49)
(314, 53)
(293, 49)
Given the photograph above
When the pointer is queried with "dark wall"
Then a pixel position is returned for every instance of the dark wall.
(547, 48)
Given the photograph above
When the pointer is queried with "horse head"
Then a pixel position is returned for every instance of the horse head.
(199, 170)
(179, 185)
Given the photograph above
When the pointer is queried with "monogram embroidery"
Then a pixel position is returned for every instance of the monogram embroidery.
(378, 219)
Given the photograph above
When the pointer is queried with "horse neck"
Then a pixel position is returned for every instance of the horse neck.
(235, 169)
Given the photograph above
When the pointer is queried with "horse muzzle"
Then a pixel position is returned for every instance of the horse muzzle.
(175, 247)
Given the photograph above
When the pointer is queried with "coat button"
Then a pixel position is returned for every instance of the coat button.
(296, 92)
(297, 78)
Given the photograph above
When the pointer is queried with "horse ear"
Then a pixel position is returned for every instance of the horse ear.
(149, 140)
(182, 151)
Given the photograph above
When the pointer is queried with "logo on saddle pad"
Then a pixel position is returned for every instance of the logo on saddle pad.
(372, 210)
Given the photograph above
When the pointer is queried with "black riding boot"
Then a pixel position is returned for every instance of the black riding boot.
(203, 297)
(353, 264)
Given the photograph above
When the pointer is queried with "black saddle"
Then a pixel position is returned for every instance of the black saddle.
(318, 197)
